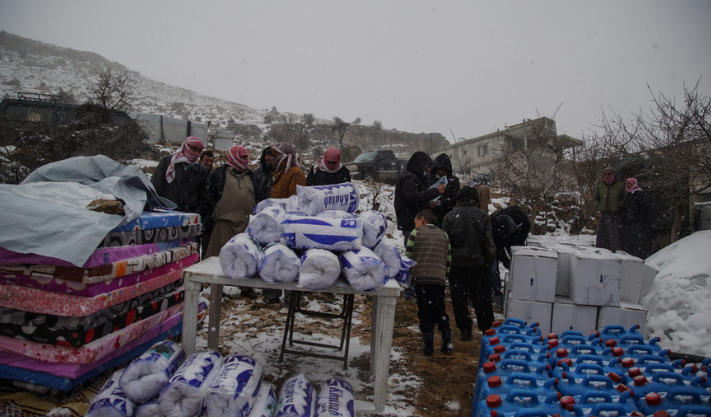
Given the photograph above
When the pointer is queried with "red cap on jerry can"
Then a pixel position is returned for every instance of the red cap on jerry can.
(494, 381)
(493, 401)
(653, 399)
(489, 367)
(561, 353)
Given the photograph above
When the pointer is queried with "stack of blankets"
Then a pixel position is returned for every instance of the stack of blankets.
(315, 238)
(62, 325)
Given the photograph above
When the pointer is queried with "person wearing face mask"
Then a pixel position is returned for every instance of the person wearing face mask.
(328, 170)
(182, 179)
(442, 167)
(637, 236)
(610, 196)
(411, 197)
(232, 195)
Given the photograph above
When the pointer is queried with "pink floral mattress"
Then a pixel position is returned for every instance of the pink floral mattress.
(67, 305)
(90, 352)
(141, 237)
(104, 272)
(54, 284)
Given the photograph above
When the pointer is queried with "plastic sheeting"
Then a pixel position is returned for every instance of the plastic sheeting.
(48, 209)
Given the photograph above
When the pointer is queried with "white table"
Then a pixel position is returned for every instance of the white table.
(210, 272)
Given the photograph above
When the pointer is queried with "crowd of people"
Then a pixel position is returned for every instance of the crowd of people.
(447, 228)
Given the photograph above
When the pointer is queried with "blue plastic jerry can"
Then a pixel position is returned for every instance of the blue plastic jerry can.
(660, 382)
(500, 343)
(594, 403)
(520, 403)
(570, 355)
(601, 365)
(525, 327)
(613, 331)
(517, 380)
(577, 373)
(673, 400)
(591, 383)
(534, 360)
(636, 351)
(505, 368)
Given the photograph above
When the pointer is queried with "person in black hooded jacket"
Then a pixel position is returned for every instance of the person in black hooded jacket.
(263, 178)
(441, 167)
(502, 226)
(411, 197)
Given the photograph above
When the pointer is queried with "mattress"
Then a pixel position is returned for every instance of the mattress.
(79, 337)
(52, 283)
(103, 272)
(47, 302)
(143, 236)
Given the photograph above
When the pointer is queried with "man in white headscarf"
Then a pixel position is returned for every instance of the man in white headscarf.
(182, 179)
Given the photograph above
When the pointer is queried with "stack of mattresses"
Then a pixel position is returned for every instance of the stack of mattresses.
(62, 325)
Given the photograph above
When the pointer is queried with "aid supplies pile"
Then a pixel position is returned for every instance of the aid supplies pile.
(316, 237)
(70, 311)
(208, 384)
(614, 371)
(569, 285)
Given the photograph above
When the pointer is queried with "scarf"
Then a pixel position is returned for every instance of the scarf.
(633, 187)
(331, 154)
(184, 154)
(234, 158)
(610, 180)
(284, 151)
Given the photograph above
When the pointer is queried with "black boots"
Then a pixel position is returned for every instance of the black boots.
(466, 334)
(447, 341)
(429, 343)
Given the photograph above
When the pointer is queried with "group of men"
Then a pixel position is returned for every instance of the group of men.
(225, 197)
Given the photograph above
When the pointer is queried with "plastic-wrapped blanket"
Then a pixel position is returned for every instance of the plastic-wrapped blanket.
(183, 396)
(145, 377)
(287, 204)
(336, 214)
(398, 265)
(301, 232)
(279, 264)
(364, 270)
(374, 226)
(264, 227)
(111, 401)
(149, 408)
(335, 399)
(235, 390)
(266, 402)
(239, 257)
(140, 237)
(319, 269)
(318, 198)
(297, 398)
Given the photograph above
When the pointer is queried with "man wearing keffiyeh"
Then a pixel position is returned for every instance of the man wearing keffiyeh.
(182, 179)
(232, 195)
(328, 169)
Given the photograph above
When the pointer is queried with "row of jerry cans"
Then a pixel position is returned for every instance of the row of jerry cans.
(611, 372)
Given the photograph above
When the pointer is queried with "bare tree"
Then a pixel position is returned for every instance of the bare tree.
(114, 90)
(340, 127)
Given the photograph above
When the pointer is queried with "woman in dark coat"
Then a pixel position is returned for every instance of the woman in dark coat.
(637, 236)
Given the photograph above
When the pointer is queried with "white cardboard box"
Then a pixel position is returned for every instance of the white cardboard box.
(562, 283)
(595, 279)
(627, 315)
(530, 312)
(648, 275)
(568, 316)
(533, 274)
(631, 279)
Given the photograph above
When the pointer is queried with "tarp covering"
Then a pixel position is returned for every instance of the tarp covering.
(163, 128)
(47, 214)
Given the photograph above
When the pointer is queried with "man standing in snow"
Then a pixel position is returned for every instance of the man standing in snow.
(610, 196)
(411, 197)
(328, 170)
(442, 167)
(263, 175)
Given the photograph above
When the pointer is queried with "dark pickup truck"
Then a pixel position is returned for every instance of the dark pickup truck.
(380, 166)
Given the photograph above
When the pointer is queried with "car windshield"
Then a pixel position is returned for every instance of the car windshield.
(370, 156)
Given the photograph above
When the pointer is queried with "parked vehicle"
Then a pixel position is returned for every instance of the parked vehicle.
(374, 166)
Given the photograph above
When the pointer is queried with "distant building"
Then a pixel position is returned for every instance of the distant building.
(475, 155)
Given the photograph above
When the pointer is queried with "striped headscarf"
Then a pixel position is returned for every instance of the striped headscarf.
(184, 154)
(234, 158)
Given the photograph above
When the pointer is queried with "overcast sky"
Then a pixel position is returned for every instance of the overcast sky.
(418, 66)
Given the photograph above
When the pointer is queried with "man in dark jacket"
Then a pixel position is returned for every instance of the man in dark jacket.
(411, 197)
(473, 251)
(502, 227)
(517, 238)
(610, 197)
(263, 178)
(328, 169)
(441, 167)
(182, 179)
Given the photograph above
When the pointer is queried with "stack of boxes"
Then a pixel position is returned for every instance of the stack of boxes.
(571, 285)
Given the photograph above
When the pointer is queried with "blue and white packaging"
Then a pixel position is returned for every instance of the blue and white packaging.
(287, 204)
(239, 258)
(319, 269)
(146, 376)
(111, 401)
(335, 399)
(374, 226)
(279, 264)
(336, 214)
(364, 270)
(149, 408)
(318, 198)
(297, 398)
(264, 227)
(398, 265)
(266, 403)
(235, 390)
(304, 232)
(184, 394)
